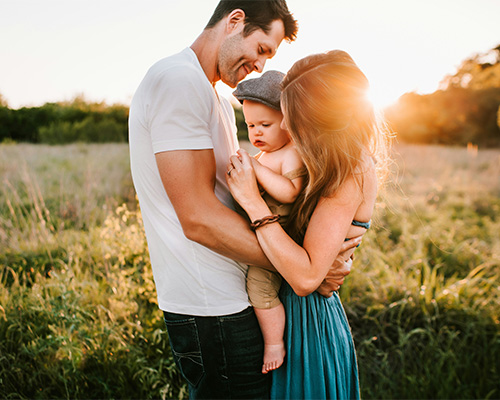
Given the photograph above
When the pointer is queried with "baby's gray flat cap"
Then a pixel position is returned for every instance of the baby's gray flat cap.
(265, 89)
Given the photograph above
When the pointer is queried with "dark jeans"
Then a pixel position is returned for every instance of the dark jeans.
(220, 357)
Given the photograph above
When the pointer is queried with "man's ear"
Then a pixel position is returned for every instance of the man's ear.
(235, 20)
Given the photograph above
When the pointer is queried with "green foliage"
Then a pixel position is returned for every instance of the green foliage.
(498, 117)
(74, 121)
(477, 72)
(464, 111)
(408, 351)
(78, 312)
(456, 116)
(88, 130)
(240, 123)
(3, 101)
(65, 122)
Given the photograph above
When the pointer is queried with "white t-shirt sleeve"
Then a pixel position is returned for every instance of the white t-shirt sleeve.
(180, 112)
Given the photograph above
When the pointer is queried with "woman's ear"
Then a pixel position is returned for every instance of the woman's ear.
(235, 20)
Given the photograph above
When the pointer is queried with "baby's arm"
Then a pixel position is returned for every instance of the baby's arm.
(276, 185)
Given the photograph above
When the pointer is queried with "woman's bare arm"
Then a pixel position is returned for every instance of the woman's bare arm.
(189, 179)
(304, 268)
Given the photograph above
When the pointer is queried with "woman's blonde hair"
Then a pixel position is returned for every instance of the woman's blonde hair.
(332, 123)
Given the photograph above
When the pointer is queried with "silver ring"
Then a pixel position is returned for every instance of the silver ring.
(229, 172)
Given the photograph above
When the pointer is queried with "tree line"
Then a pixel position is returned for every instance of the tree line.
(73, 121)
(64, 122)
(456, 116)
(466, 109)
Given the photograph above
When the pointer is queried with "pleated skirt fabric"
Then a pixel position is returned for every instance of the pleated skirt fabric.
(321, 360)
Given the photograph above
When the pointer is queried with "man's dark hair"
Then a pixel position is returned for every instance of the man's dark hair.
(259, 14)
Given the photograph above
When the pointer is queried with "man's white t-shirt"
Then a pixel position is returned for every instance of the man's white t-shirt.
(176, 108)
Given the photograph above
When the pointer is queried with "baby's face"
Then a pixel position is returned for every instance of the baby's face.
(264, 126)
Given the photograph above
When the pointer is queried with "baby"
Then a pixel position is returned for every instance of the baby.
(280, 174)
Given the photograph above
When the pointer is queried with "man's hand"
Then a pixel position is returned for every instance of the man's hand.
(340, 269)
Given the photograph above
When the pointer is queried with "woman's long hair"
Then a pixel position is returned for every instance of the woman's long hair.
(332, 123)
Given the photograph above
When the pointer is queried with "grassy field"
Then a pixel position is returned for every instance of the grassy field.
(78, 312)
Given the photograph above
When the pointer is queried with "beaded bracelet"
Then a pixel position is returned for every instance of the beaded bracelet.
(263, 221)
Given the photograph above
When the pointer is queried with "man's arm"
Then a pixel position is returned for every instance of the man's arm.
(189, 180)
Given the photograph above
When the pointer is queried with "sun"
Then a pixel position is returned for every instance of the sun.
(381, 98)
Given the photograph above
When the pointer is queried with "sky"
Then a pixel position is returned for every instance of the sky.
(55, 50)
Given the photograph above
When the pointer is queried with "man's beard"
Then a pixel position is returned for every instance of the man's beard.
(227, 68)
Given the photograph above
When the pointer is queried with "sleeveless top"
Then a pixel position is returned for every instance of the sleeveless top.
(365, 225)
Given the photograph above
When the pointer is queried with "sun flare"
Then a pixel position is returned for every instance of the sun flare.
(381, 98)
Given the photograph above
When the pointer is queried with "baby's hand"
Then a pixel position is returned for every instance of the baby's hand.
(255, 162)
(239, 153)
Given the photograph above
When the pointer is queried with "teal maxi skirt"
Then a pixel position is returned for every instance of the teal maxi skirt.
(321, 360)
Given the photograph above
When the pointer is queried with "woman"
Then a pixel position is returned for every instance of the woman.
(335, 131)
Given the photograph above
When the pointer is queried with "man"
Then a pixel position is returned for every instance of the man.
(181, 137)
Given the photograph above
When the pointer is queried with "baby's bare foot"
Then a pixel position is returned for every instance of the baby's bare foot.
(273, 357)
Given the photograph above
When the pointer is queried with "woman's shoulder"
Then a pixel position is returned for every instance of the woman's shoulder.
(359, 186)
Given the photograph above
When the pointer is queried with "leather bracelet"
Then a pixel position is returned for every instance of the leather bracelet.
(263, 221)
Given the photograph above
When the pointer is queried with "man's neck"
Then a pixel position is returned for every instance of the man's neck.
(206, 47)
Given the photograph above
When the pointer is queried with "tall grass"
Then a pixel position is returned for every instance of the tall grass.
(424, 295)
(78, 312)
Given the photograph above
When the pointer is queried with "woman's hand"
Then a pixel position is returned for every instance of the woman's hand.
(340, 269)
(241, 179)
